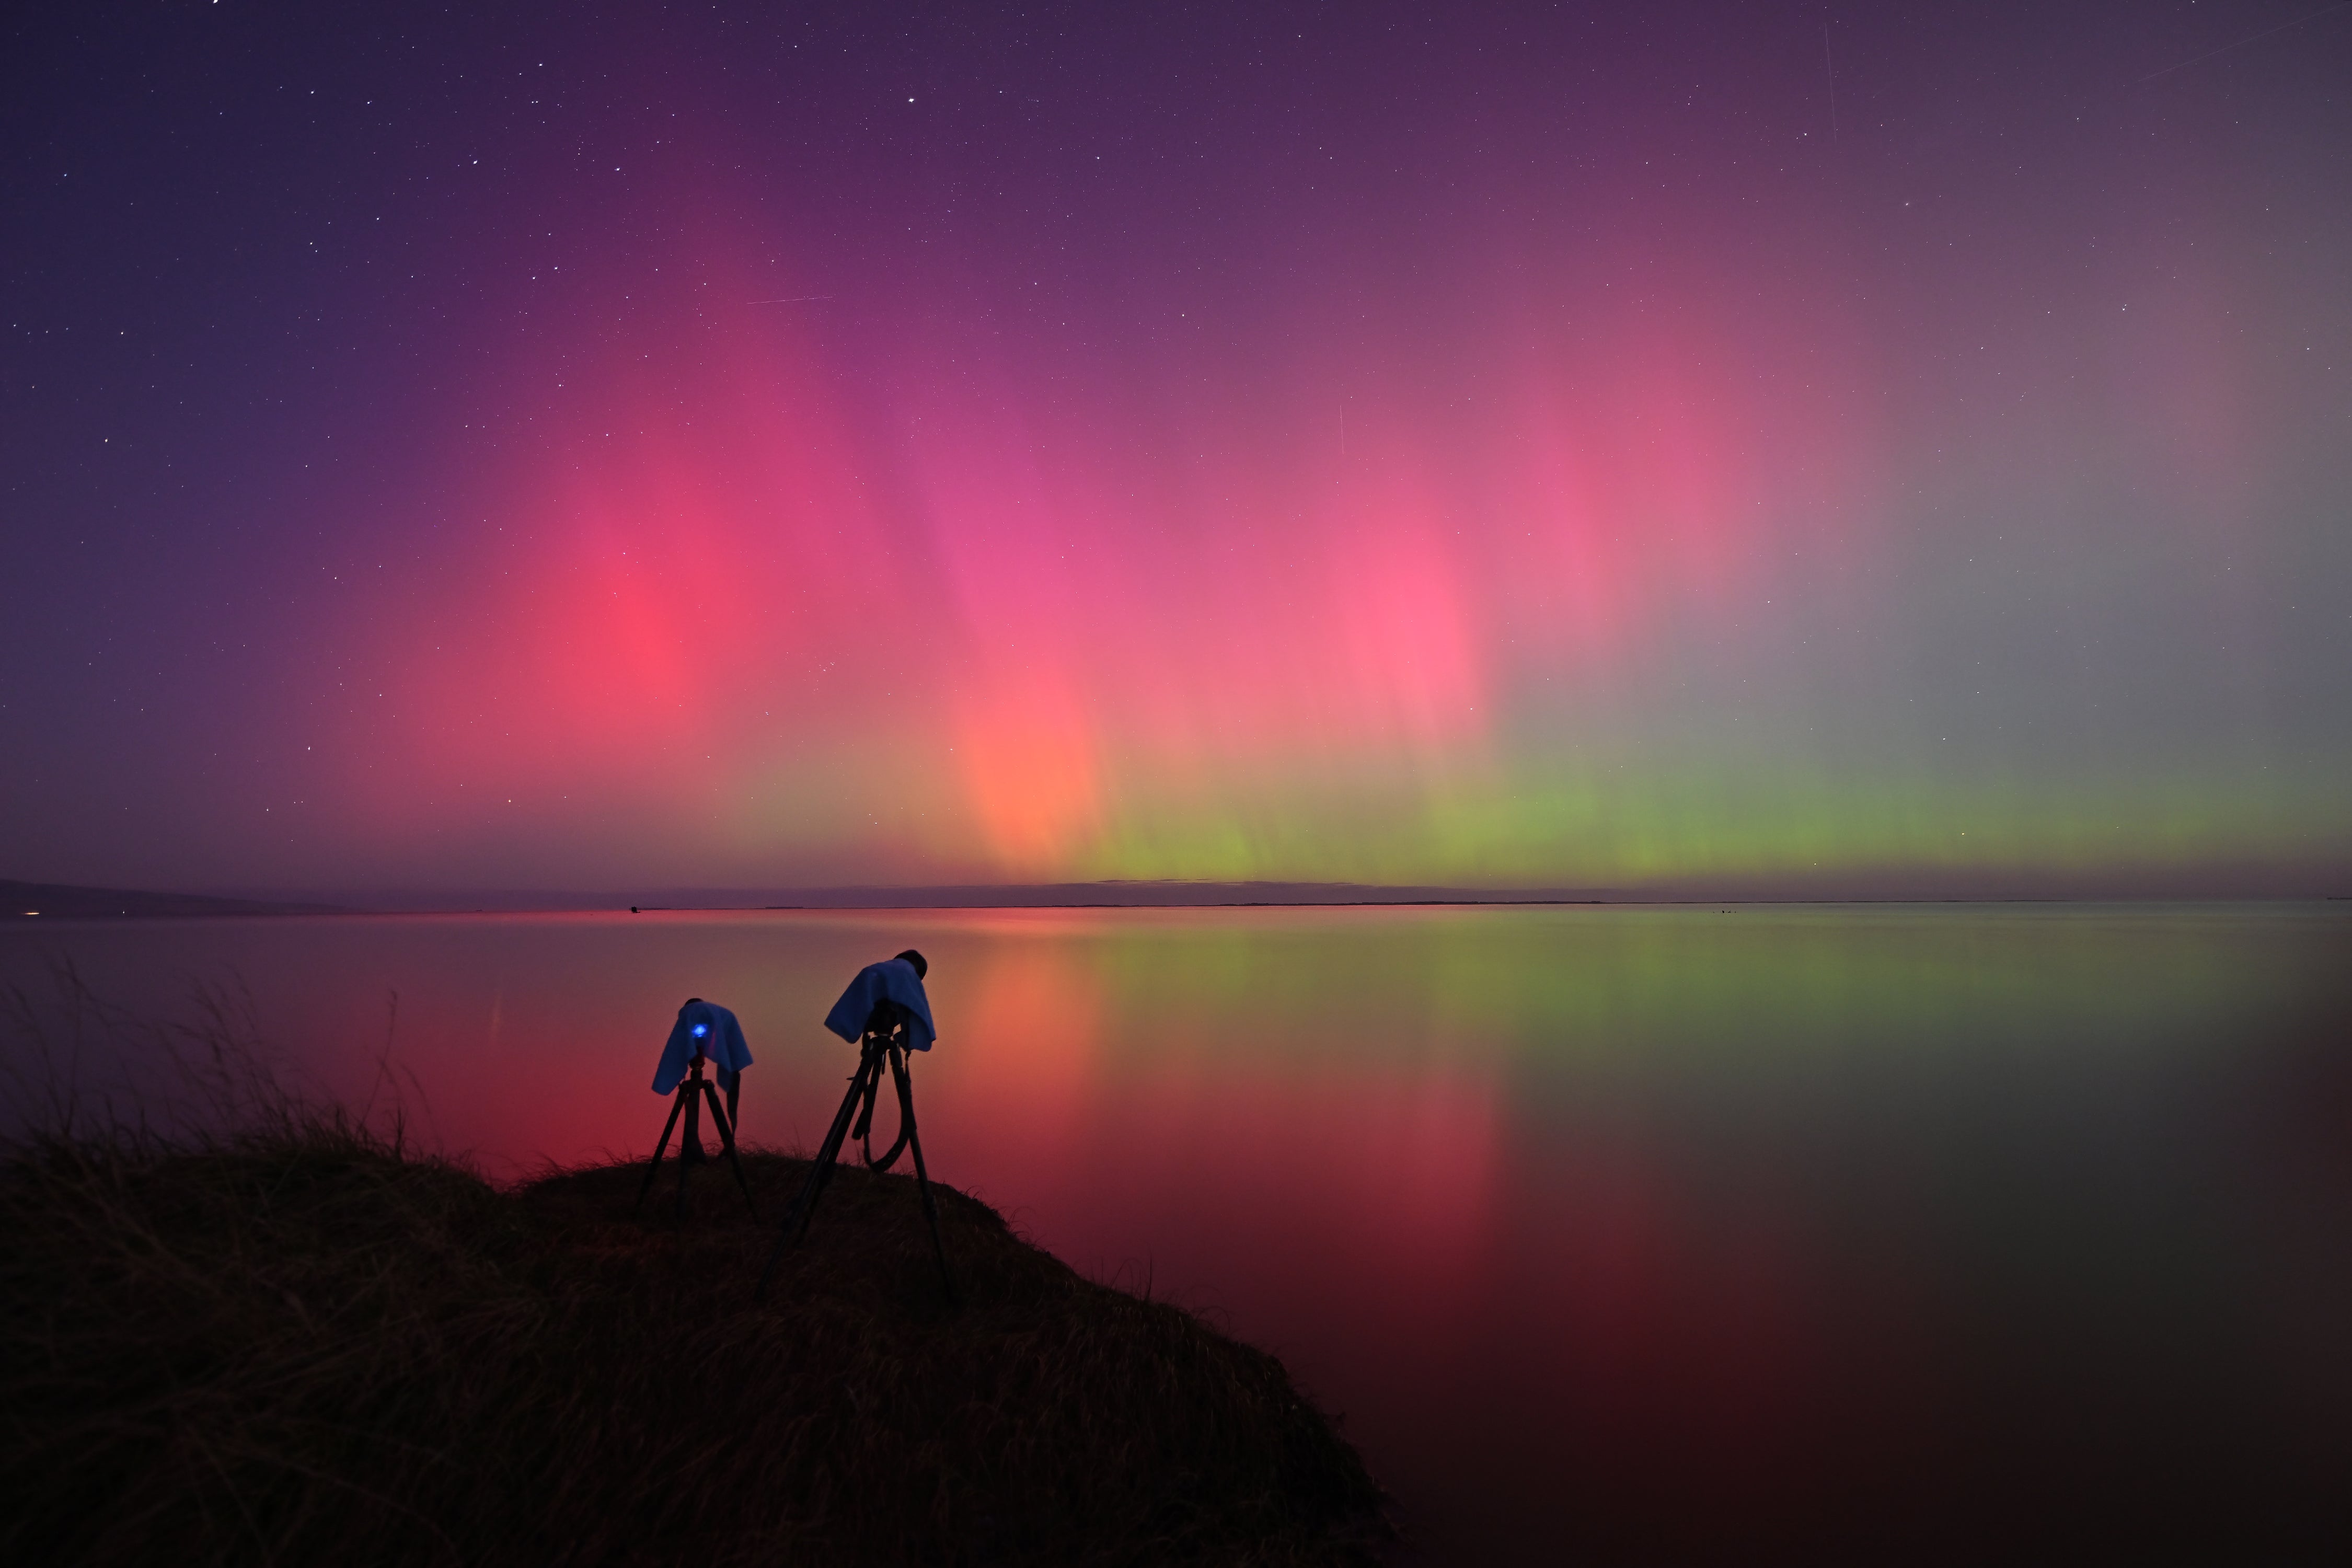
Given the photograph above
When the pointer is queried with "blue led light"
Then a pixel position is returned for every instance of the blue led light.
(701, 1030)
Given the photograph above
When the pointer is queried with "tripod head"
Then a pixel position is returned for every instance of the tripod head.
(890, 1025)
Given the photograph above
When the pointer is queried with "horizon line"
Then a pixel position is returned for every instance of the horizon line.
(26, 900)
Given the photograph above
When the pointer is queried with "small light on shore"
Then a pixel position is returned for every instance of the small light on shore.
(32, 911)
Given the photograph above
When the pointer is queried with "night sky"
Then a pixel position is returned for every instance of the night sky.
(1898, 447)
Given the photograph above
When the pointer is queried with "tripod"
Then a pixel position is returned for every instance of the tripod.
(884, 1038)
(692, 1091)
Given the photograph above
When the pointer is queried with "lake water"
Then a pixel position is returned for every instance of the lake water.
(1635, 1233)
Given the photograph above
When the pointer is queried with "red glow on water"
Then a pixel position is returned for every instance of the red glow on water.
(1621, 1225)
(1040, 1021)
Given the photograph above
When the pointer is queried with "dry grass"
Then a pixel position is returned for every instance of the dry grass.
(300, 1341)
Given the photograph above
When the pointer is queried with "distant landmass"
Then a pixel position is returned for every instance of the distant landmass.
(52, 901)
(49, 901)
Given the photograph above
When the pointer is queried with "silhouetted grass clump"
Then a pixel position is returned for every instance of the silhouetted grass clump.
(300, 1340)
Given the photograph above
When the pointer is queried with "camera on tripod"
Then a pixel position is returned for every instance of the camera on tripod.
(704, 1033)
(886, 1013)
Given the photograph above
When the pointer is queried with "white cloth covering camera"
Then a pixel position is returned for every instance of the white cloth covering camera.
(893, 980)
(721, 1040)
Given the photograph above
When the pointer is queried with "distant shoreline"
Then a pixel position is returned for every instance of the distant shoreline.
(24, 901)
(53, 900)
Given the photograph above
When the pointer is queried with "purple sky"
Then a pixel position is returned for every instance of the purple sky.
(1505, 445)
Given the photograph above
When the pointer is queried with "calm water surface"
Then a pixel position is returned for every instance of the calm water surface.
(1639, 1233)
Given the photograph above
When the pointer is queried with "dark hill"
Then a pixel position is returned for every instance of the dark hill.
(307, 1346)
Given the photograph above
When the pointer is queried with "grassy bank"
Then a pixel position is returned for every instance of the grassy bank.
(307, 1344)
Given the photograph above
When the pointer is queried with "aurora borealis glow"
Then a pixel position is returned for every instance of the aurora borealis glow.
(1526, 447)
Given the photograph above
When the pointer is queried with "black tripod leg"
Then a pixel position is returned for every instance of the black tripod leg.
(727, 1140)
(829, 1157)
(676, 1104)
(931, 1215)
(864, 1131)
(922, 1173)
(689, 1145)
(803, 1202)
